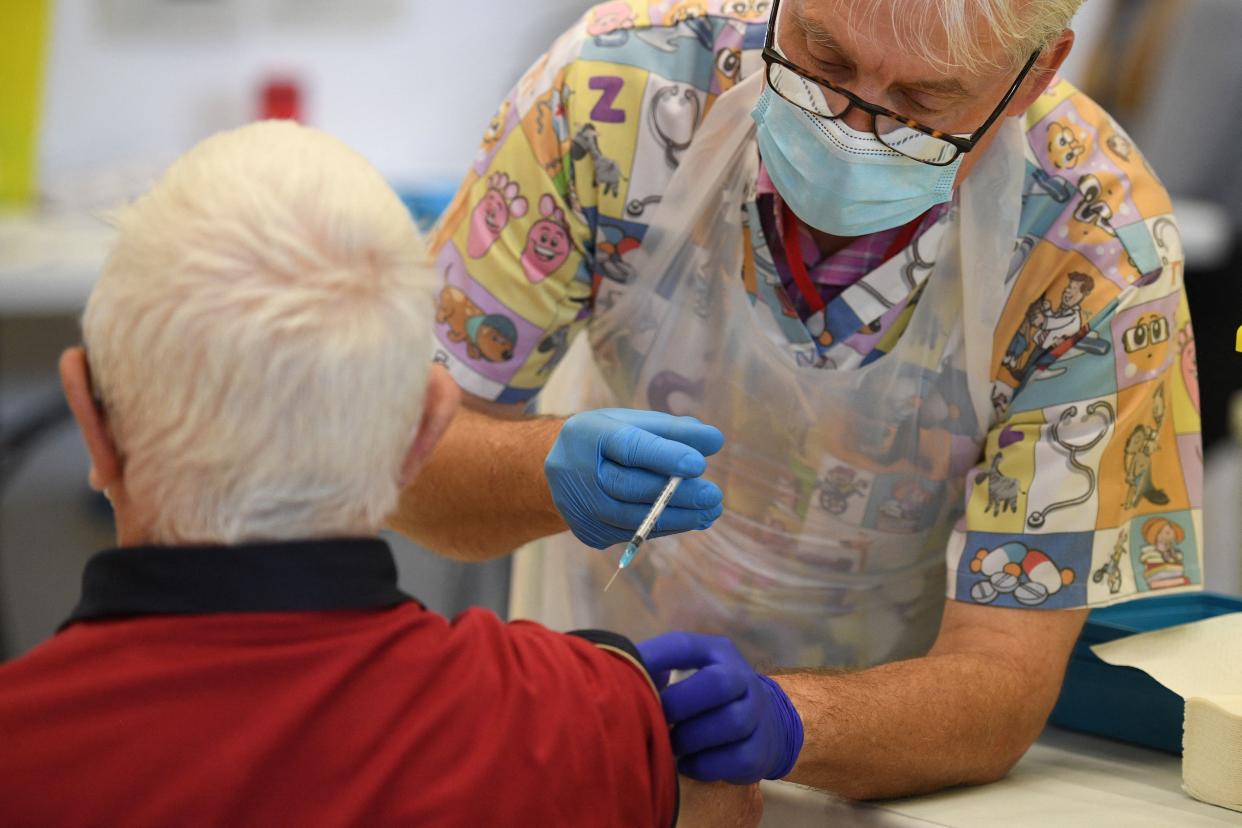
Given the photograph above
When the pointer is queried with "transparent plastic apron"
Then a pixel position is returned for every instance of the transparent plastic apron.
(841, 487)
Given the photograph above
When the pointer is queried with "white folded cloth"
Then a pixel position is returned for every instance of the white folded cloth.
(1212, 750)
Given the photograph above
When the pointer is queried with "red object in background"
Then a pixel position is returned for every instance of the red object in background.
(281, 99)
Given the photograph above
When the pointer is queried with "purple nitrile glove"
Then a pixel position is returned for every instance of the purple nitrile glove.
(608, 466)
(728, 722)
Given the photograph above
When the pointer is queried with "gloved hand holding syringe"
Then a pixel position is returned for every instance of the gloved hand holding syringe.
(644, 529)
(609, 468)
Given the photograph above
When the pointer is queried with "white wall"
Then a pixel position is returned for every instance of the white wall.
(409, 83)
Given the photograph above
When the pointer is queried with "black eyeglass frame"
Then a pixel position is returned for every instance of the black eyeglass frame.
(962, 145)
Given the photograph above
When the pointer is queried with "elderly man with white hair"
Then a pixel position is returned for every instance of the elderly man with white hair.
(827, 227)
(256, 385)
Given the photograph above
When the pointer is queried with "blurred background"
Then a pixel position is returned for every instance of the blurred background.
(97, 96)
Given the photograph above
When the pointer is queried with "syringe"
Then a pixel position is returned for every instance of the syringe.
(644, 529)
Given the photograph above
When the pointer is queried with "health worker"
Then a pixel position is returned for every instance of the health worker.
(931, 296)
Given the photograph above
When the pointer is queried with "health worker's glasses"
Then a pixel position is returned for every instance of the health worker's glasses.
(903, 135)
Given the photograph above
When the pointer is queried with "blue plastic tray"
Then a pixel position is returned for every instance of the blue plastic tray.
(1122, 702)
(427, 202)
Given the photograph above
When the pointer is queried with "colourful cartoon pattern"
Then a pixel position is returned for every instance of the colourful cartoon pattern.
(1088, 487)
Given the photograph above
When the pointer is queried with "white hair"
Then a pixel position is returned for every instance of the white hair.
(260, 337)
(965, 34)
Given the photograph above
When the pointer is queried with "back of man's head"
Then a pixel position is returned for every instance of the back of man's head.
(260, 340)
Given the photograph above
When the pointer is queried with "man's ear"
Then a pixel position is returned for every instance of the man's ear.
(440, 402)
(1042, 73)
(75, 377)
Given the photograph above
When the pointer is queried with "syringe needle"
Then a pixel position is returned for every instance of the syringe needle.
(613, 578)
(645, 528)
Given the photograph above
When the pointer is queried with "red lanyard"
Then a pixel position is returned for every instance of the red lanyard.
(793, 254)
(793, 258)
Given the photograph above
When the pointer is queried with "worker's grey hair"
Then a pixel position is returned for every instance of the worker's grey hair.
(966, 35)
(260, 338)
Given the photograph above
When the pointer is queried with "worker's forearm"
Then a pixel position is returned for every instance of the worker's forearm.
(912, 726)
(483, 492)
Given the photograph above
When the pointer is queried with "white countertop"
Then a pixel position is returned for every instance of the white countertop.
(49, 263)
(1066, 779)
(49, 260)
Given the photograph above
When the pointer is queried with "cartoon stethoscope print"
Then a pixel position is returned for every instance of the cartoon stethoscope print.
(1105, 412)
(1162, 226)
(657, 110)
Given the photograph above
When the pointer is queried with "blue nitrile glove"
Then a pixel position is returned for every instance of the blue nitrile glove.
(608, 466)
(729, 722)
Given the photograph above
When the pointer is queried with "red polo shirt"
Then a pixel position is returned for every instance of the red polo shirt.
(293, 684)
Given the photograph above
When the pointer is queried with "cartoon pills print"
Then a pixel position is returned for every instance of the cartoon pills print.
(1029, 575)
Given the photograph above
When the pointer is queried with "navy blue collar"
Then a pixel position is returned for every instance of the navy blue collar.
(293, 576)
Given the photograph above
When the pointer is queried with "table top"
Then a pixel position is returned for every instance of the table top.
(1066, 779)
(49, 263)
(49, 260)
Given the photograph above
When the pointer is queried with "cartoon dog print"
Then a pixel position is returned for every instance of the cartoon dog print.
(454, 309)
(1140, 445)
(547, 243)
(491, 337)
(1163, 562)
(1066, 147)
(491, 215)
(1012, 569)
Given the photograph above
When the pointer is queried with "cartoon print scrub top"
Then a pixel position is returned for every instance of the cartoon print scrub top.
(1088, 490)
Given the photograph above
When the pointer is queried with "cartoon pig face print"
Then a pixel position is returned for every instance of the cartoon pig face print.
(547, 244)
(500, 203)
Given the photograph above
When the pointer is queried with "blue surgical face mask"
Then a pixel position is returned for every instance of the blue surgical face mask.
(839, 180)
